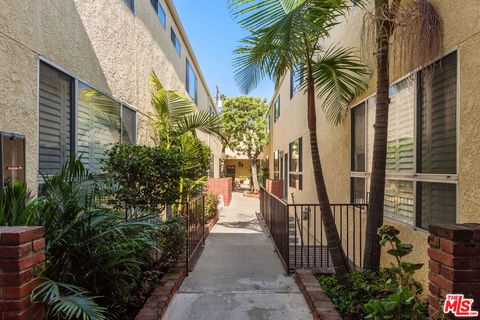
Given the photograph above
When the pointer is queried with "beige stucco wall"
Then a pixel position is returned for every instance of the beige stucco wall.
(240, 171)
(462, 33)
(99, 42)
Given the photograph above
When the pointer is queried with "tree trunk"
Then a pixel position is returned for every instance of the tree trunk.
(340, 262)
(253, 166)
(377, 184)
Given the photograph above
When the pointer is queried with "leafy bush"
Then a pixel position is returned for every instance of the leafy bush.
(16, 206)
(148, 177)
(170, 237)
(211, 206)
(390, 293)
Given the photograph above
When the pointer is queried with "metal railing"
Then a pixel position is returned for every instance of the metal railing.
(194, 215)
(299, 234)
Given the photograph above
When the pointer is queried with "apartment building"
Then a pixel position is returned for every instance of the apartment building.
(433, 167)
(65, 62)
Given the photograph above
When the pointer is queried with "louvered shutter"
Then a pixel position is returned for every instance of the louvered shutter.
(54, 119)
(438, 146)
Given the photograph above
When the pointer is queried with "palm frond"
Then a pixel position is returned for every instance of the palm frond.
(67, 301)
(202, 121)
(339, 77)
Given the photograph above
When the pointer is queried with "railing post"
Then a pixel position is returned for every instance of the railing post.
(203, 218)
(187, 224)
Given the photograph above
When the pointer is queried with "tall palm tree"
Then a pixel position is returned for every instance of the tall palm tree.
(175, 115)
(285, 34)
(415, 26)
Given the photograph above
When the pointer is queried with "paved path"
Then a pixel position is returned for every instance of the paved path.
(238, 275)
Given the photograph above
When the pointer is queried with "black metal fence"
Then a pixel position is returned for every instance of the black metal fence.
(299, 234)
(194, 215)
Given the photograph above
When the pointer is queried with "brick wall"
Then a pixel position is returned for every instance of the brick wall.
(21, 255)
(275, 187)
(221, 186)
(454, 265)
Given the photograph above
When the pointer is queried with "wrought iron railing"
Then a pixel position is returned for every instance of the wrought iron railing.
(299, 234)
(194, 214)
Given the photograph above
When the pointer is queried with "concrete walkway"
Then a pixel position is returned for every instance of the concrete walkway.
(238, 276)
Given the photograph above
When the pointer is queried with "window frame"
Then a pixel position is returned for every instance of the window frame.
(416, 177)
(276, 107)
(175, 41)
(76, 80)
(157, 5)
(189, 67)
(299, 171)
(132, 8)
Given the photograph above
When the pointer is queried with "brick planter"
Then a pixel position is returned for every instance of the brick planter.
(161, 296)
(21, 256)
(321, 306)
(454, 266)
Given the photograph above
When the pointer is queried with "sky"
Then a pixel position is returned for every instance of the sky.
(214, 35)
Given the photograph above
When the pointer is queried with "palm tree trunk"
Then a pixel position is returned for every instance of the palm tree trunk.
(253, 166)
(377, 185)
(340, 262)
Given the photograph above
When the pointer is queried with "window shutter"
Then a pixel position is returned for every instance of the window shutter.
(54, 119)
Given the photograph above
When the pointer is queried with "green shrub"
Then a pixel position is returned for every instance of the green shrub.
(211, 206)
(170, 238)
(390, 293)
(16, 206)
(148, 177)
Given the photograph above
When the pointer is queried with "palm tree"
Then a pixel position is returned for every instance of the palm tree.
(175, 114)
(416, 27)
(285, 34)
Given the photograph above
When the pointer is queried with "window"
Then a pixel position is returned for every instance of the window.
(130, 4)
(12, 158)
(276, 109)
(421, 148)
(192, 82)
(437, 138)
(160, 12)
(101, 121)
(276, 165)
(54, 122)
(358, 138)
(358, 190)
(129, 126)
(98, 126)
(296, 79)
(175, 42)
(295, 164)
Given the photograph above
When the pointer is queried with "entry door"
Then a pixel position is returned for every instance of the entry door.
(231, 172)
(285, 176)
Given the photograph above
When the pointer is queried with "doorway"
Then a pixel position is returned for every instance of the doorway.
(285, 176)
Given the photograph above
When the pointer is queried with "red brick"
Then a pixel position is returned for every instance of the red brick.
(433, 241)
(11, 236)
(434, 266)
(434, 301)
(38, 244)
(448, 259)
(15, 251)
(23, 263)
(15, 279)
(21, 291)
(434, 290)
(15, 305)
(455, 232)
(35, 311)
(460, 275)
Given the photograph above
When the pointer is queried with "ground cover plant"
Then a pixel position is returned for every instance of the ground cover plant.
(390, 293)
